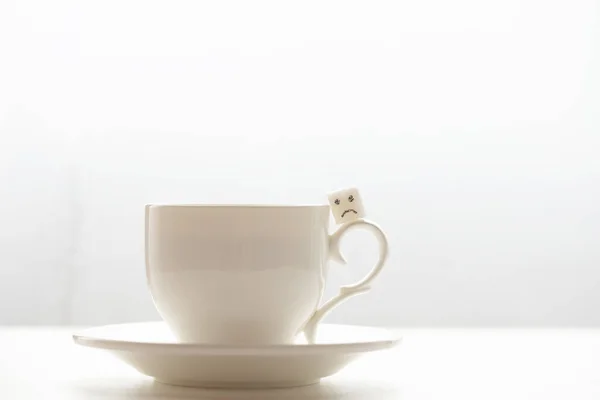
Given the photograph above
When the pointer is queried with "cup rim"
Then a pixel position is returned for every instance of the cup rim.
(233, 205)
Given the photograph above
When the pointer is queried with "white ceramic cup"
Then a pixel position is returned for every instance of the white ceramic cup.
(245, 274)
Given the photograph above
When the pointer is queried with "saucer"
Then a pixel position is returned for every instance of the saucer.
(150, 348)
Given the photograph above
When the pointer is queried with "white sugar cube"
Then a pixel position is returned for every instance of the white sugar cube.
(346, 205)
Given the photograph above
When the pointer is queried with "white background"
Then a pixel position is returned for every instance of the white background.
(472, 129)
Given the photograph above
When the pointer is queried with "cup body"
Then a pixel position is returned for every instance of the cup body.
(227, 274)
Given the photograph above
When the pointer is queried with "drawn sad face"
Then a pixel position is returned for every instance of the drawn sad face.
(346, 205)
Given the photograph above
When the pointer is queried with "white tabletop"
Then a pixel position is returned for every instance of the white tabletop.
(43, 363)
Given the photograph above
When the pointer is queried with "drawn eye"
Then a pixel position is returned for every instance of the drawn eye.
(337, 201)
(351, 198)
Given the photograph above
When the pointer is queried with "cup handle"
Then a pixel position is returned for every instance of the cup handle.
(348, 291)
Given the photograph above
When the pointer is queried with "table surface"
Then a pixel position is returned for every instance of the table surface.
(43, 363)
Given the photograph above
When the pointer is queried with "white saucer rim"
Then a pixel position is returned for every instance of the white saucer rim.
(86, 338)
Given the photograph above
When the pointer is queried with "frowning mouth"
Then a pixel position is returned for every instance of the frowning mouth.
(347, 211)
